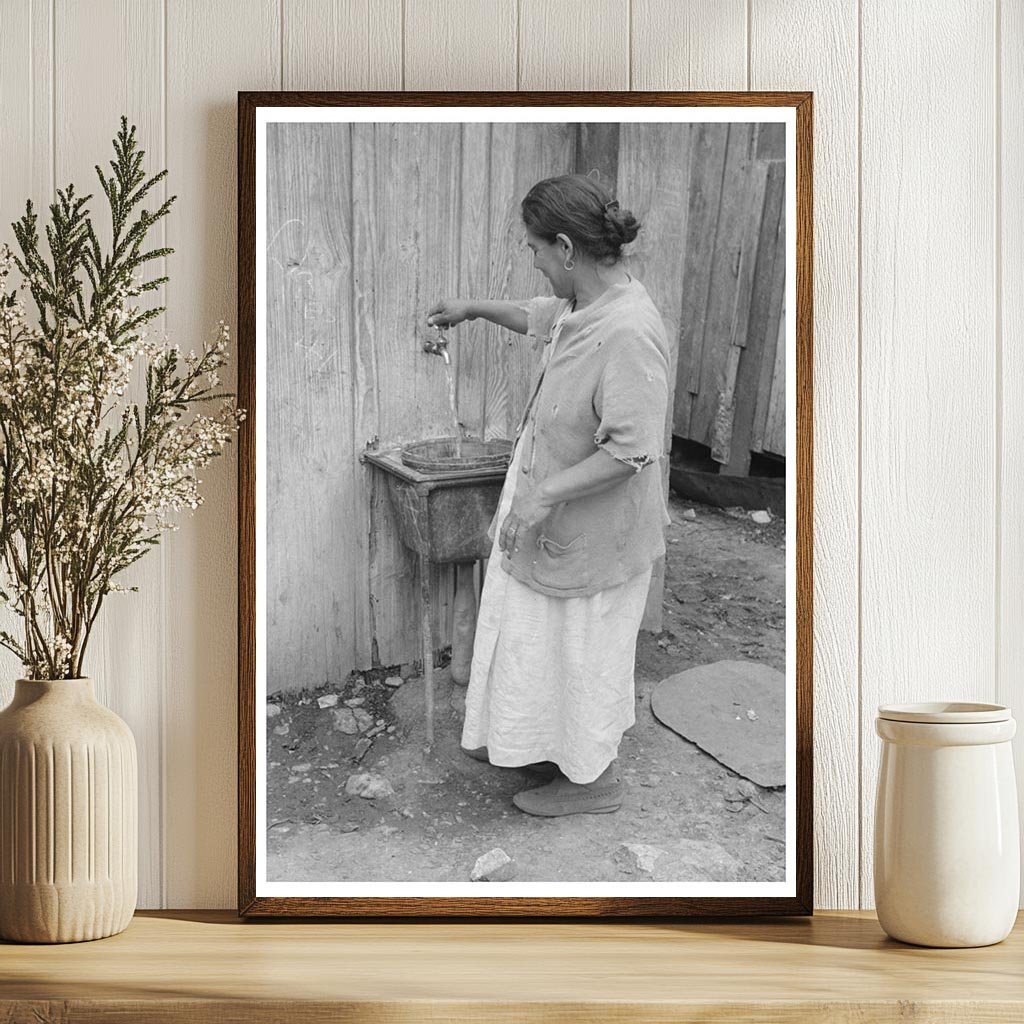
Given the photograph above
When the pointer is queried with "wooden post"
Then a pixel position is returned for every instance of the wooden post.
(464, 623)
(428, 648)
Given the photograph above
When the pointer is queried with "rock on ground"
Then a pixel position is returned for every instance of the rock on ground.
(701, 861)
(707, 704)
(638, 857)
(494, 866)
(345, 721)
(682, 860)
(369, 786)
(364, 720)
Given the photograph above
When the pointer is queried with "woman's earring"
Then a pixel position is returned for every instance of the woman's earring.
(569, 263)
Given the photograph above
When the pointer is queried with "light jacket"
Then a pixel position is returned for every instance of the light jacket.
(603, 384)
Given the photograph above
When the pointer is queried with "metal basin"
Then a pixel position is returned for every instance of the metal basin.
(448, 454)
(443, 514)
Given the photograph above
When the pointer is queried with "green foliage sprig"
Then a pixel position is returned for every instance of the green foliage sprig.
(89, 478)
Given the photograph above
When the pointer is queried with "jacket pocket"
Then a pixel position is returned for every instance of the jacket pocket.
(562, 564)
(556, 550)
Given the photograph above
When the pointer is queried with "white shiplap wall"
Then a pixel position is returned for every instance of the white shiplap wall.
(919, 305)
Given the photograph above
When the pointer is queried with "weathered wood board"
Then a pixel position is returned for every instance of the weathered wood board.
(708, 159)
(597, 152)
(727, 273)
(406, 179)
(654, 181)
(707, 374)
(775, 429)
(311, 493)
(767, 288)
(768, 328)
(724, 416)
(471, 346)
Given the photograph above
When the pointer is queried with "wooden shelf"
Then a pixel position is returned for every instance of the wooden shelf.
(210, 967)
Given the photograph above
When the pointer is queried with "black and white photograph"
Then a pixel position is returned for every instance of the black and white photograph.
(525, 502)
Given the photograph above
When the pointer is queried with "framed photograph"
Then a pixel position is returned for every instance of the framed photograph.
(525, 504)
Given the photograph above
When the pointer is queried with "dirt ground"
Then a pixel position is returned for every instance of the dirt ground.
(686, 817)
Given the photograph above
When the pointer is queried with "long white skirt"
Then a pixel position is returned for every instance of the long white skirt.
(552, 677)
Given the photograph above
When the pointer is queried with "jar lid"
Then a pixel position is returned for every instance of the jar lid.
(945, 713)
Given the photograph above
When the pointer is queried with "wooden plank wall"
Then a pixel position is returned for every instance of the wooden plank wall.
(228, 46)
(917, 323)
(729, 365)
(827, 60)
(131, 34)
(930, 449)
(368, 225)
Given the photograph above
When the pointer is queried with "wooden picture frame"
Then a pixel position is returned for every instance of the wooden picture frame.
(257, 897)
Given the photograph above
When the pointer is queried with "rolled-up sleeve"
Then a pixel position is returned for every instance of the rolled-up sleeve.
(631, 402)
(541, 314)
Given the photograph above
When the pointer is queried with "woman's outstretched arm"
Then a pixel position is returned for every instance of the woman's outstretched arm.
(503, 313)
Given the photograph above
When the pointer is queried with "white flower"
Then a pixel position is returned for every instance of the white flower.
(99, 500)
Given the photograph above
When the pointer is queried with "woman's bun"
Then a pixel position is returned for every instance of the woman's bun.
(622, 225)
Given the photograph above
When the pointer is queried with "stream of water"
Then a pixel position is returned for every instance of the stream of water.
(455, 410)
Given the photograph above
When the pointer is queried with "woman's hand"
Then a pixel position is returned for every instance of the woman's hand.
(448, 312)
(527, 510)
(533, 502)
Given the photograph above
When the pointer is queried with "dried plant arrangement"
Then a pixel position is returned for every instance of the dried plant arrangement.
(89, 477)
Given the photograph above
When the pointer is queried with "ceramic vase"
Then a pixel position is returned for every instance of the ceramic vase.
(947, 847)
(68, 815)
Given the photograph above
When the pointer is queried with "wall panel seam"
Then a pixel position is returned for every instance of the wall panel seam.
(629, 45)
(53, 98)
(997, 209)
(32, 90)
(749, 44)
(519, 38)
(164, 654)
(859, 866)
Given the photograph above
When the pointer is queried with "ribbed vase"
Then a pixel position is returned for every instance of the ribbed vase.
(68, 815)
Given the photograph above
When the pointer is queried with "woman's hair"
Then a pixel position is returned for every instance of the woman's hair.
(580, 207)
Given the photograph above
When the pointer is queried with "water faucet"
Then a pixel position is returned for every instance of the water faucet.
(438, 346)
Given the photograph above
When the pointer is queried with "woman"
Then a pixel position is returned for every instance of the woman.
(582, 512)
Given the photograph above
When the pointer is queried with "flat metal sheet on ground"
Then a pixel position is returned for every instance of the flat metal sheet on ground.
(733, 710)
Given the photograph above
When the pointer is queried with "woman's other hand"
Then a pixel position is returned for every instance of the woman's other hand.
(448, 312)
(527, 510)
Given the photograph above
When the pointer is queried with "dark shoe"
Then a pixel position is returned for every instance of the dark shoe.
(560, 797)
(545, 768)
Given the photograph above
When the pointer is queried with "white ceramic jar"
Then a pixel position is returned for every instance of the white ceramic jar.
(947, 847)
